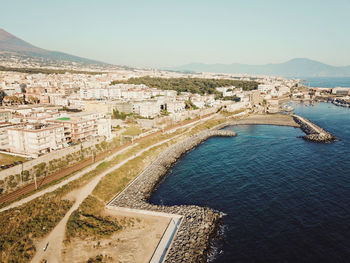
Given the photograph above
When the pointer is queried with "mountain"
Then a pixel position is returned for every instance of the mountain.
(298, 67)
(11, 46)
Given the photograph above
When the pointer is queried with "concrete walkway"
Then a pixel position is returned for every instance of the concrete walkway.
(314, 127)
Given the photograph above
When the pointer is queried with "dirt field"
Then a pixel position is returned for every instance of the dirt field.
(135, 243)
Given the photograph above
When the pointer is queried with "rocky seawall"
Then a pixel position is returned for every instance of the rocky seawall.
(313, 132)
(198, 225)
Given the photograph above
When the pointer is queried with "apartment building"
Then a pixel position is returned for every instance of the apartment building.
(36, 139)
(84, 126)
(4, 137)
(263, 88)
(226, 91)
(5, 115)
(147, 109)
(39, 93)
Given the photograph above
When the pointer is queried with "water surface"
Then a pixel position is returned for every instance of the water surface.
(285, 199)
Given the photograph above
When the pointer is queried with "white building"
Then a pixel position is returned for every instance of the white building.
(104, 128)
(263, 88)
(341, 91)
(36, 139)
(147, 109)
(226, 91)
(4, 137)
(83, 126)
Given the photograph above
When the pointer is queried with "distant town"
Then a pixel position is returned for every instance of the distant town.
(42, 113)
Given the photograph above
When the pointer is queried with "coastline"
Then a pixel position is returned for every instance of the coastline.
(199, 225)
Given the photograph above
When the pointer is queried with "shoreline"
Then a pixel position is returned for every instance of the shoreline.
(193, 239)
(198, 224)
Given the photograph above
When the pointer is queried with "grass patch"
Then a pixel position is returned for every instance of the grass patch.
(88, 221)
(132, 131)
(9, 159)
(21, 226)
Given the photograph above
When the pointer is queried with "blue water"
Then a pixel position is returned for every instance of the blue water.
(327, 82)
(285, 199)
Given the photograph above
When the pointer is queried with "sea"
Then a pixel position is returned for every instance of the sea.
(326, 82)
(284, 199)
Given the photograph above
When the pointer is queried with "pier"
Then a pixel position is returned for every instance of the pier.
(313, 132)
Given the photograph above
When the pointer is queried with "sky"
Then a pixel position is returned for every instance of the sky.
(158, 33)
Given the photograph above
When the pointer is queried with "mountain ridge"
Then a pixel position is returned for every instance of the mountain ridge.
(11, 45)
(297, 67)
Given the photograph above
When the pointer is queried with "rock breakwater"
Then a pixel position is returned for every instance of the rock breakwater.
(199, 224)
(313, 132)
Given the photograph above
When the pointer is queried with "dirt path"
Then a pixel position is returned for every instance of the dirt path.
(99, 158)
(56, 186)
(56, 237)
(60, 174)
(103, 157)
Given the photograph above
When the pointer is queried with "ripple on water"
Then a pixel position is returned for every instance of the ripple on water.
(285, 199)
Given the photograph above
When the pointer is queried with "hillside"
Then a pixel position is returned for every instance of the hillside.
(12, 47)
(298, 67)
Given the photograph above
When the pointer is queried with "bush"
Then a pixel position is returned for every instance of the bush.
(87, 221)
(33, 220)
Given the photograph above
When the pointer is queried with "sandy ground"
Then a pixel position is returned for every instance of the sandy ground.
(134, 243)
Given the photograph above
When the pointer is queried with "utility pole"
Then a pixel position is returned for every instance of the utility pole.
(36, 185)
(22, 174)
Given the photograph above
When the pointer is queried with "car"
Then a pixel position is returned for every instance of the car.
(6, 166)
(11, 165)
(15, 163)
(2, 167)
(20, 162)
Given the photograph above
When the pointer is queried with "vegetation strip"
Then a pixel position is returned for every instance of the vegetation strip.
(193, 85)
(199, 223)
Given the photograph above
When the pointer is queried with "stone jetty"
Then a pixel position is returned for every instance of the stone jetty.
(313, 132)
(199, 224)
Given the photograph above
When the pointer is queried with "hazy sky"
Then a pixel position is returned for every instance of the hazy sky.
(164, 32)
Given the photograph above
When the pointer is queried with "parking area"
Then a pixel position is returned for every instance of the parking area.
(7, 161)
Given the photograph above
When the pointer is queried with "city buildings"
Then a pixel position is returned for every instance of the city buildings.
(44, 112)
(35, 139)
